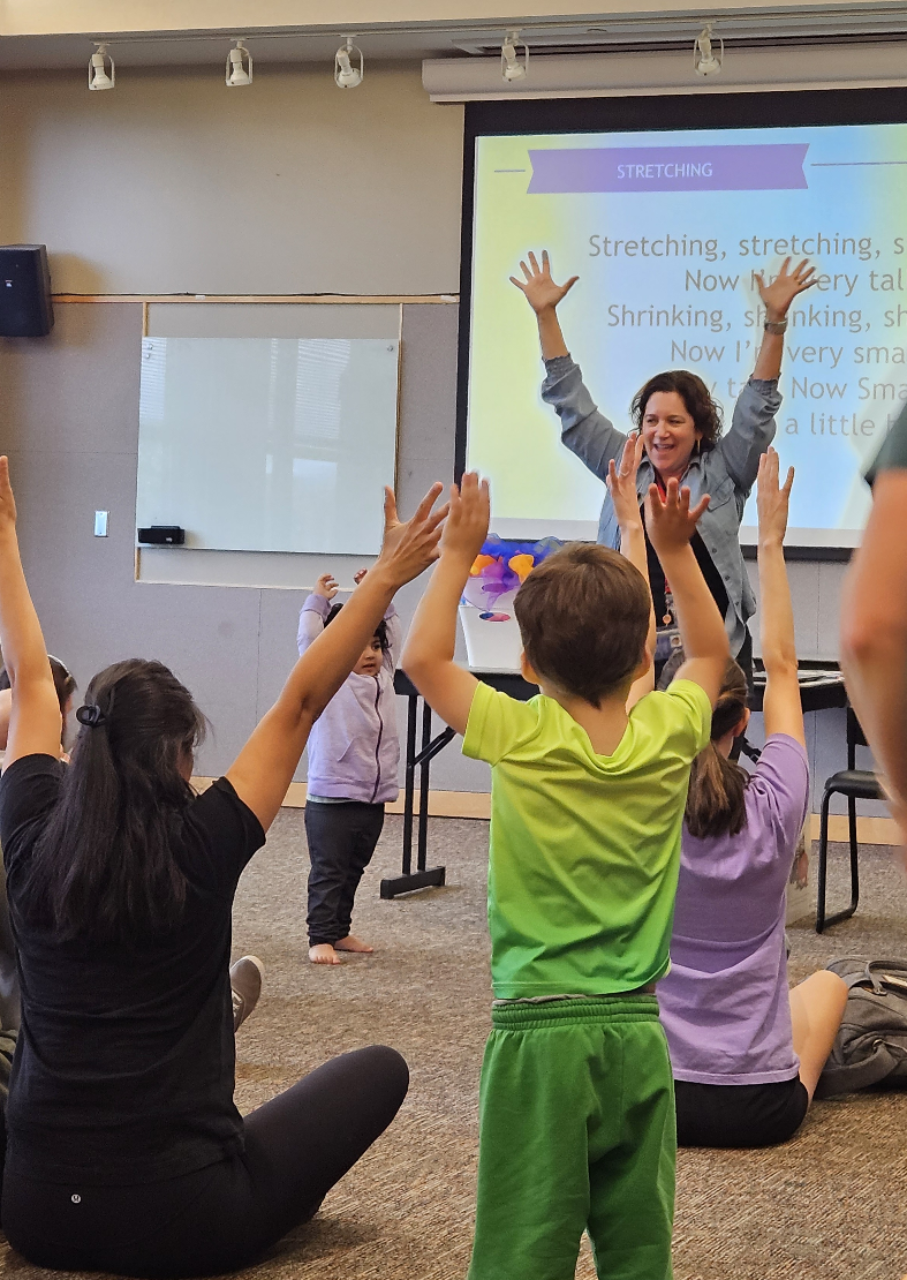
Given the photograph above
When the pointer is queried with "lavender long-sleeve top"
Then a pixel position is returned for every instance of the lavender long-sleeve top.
(353, 748)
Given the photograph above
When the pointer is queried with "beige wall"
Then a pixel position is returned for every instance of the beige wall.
(174, 184)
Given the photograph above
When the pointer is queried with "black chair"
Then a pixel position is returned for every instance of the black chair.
(856, 784)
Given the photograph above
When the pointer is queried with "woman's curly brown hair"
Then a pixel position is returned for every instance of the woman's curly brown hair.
(706, 414)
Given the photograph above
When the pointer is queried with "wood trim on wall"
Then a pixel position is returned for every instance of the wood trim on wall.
(280, 299)
(477, 804)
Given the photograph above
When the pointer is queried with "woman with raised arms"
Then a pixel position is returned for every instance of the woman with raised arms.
(126, 1152)
(681, 427)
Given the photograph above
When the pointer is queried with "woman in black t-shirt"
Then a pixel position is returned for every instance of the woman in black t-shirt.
(125, 1151)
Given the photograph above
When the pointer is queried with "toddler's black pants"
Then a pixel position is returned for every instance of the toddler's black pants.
(341, 840)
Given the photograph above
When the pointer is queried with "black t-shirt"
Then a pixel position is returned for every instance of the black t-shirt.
(713, 578)
(124, 1070)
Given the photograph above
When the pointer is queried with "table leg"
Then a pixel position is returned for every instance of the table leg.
(421, 878)
(425, 765)
(409, 785)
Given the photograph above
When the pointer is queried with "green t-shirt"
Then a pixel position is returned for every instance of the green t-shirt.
(585, 849)
(892, 454)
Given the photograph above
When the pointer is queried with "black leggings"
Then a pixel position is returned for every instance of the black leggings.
(222, 1217)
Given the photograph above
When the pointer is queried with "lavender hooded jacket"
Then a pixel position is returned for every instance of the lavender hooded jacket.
(354, 750)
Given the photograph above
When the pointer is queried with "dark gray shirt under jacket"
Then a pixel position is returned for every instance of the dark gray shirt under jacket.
(727, 473)
(124, 1070)
(892, 453)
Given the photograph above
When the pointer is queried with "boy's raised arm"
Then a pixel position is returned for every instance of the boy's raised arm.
(428, 655)
(671, 524)
(621, 484)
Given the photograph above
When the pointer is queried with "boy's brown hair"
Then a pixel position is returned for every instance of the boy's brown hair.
(584, 617)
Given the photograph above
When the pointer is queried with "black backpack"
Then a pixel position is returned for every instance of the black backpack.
(871, 1045)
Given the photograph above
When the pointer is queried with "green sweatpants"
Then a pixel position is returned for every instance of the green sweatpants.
(577, 1133)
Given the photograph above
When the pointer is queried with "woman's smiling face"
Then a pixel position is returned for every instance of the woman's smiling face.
(669, 433)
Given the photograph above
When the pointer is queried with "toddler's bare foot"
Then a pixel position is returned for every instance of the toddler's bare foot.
(323, 953)
(349, 943)
(801, 869)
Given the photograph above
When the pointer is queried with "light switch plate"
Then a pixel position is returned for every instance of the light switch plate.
(100, 524)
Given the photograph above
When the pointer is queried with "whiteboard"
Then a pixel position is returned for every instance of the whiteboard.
(268, 444)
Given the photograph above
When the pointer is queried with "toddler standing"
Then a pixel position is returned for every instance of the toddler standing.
(353, 757)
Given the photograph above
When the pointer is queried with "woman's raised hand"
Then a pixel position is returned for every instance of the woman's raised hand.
(772, 498)
(7, 501)
(412, 546)
(541, 292)
(777, 296)
(621, 482)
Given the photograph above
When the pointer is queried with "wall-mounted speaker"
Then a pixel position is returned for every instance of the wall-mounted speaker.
(26, 309)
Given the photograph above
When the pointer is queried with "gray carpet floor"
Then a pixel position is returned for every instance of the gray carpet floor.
(830, 1205)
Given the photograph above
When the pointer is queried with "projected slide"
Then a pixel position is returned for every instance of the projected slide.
(665, 231)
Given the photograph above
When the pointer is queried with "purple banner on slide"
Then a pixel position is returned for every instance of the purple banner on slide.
(579, 170)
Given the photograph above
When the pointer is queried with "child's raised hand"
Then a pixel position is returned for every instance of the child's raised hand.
(412, 546)
(671, 521)
(467, 524)
(621, 482)
(359, 575)
(772, 498)
(326, 587)
(540, 291)
(7, 501)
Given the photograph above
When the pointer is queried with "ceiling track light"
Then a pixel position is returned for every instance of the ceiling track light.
(101, 70)
(514, 67)
(705, 60)
(347, 75)
(239, 66)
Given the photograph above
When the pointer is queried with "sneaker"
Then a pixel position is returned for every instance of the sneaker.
(245, 982)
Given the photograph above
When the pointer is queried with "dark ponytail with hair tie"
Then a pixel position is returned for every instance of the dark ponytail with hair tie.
(716, 800)
(91, 716)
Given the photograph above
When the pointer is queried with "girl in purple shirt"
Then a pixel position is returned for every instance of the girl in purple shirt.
(747, 1052)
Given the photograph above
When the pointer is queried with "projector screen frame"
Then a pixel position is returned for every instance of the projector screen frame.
(647, 114)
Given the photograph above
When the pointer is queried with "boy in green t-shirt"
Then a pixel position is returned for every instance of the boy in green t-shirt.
(576, 1106)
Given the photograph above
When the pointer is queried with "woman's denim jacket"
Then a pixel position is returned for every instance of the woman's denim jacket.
(727, 472)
